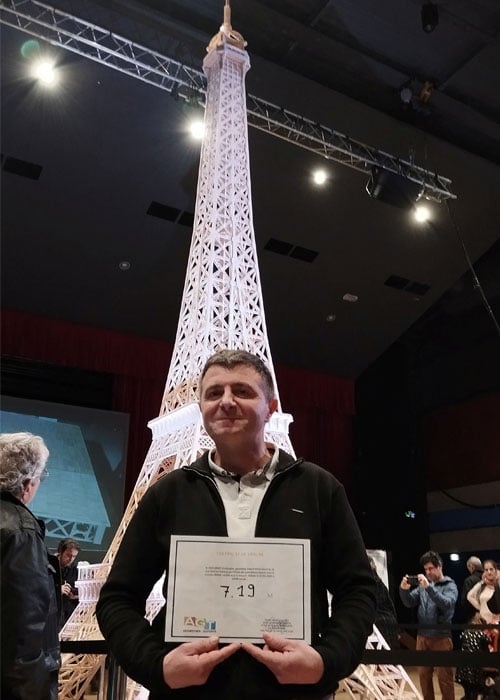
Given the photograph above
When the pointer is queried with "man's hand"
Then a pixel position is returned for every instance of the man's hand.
(404, 584)
(192, 663)
(291, 661)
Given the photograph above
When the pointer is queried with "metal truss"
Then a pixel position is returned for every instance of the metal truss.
(98, 44)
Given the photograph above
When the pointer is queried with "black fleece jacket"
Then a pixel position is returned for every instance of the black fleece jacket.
(29, 618)
(302, 501)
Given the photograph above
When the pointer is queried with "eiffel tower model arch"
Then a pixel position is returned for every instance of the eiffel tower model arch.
(221, 307)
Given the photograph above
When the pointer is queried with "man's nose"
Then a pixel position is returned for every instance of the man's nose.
(227, 398)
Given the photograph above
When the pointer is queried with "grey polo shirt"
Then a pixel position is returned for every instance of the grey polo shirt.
(243, 495)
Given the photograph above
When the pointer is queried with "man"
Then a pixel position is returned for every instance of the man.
(475, 569)
(385, 612)
(244, 487)
(67, 551)
(29, 620)
(435, 595)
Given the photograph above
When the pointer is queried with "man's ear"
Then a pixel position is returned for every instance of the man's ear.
(27, 491)
(273, 405)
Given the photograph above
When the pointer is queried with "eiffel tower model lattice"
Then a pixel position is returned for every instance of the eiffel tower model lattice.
(221, 307)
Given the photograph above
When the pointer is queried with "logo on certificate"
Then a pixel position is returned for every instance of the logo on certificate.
(192, 623)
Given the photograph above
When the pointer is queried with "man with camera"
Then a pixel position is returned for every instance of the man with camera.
(434, 595)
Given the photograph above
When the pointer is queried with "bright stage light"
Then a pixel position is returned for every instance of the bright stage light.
(45, 72)
(197, 129)
(319, 176)
(422, 213)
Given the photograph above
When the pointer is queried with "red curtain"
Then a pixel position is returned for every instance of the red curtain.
(462, 443)
(322, 405)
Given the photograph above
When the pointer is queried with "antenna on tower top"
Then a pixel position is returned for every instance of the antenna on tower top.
(226, 33)
(227, 18)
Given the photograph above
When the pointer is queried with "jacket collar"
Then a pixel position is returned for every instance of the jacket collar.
(201, 465)
(25, 513)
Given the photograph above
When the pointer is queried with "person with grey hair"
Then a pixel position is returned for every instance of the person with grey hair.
(475, 568)
(244, 487)
(30, 657)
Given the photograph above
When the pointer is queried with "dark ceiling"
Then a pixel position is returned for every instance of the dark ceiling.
(110, 147)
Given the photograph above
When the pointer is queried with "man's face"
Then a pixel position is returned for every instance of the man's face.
(68, 557)
(433, 573)
(234, 404)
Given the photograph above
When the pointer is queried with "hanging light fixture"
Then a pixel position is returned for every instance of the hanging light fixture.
(393, 188)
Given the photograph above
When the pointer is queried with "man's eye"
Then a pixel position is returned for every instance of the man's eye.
(210, 395)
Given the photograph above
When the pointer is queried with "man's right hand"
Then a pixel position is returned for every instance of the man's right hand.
(404, 584)
(192, 663)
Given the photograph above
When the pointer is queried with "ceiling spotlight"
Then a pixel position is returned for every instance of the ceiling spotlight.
(44, 71)
(430, 16)
(197, 129)
(351, 298)
(124, 265)
(406, 94)
(422, 213)
(393, 188)
(319, 176)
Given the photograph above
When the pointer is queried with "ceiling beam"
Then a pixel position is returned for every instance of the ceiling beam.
(99, 44)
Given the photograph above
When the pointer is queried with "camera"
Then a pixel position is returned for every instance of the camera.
(412, 580)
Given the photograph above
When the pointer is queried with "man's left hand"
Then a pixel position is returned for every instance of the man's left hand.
(291, 661)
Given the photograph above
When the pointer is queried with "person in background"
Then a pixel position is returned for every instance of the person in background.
(243, 487)
(479, 595)
(435, 597)
(385, 614)
(475, 569)
(472, 678)
(30, 656)
(67, 552)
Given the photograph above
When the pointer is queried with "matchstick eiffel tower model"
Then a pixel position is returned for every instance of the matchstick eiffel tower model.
(221, 308)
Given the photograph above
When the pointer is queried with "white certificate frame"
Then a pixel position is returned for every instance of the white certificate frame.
(237, 588)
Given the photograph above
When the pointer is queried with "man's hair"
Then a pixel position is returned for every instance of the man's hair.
(233, 358)
(22, 457)
(67, 543)
(431, 558)
(475, 562)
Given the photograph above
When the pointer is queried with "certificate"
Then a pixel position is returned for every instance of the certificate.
(237, 589)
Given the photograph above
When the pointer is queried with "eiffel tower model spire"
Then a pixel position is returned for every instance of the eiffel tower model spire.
(222, 301)
(221, 307)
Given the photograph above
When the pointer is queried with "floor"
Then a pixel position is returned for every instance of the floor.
(343, 695)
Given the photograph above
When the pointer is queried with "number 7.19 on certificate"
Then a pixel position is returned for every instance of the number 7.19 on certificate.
(242, 591)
